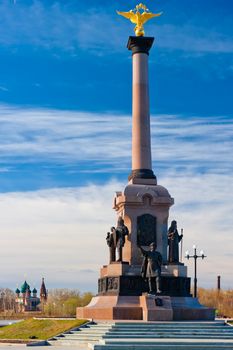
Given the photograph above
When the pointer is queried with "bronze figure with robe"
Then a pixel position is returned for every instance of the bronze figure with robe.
(111, 243)
(173, 238)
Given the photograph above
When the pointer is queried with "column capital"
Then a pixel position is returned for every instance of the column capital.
(140, 44)
(142, 174)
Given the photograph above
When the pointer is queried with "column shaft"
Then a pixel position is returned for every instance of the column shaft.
(141, 143)
(141, 138)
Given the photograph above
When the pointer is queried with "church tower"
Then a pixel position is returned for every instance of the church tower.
(43, 292)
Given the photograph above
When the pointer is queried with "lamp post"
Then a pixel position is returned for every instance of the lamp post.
(195, 256)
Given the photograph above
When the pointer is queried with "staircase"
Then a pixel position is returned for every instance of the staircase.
(150, 336)
(82, 336)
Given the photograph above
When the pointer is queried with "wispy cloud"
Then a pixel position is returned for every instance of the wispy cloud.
(193, 39)
(51, 136)
(53, 26)
(4, 170)
(3, 88)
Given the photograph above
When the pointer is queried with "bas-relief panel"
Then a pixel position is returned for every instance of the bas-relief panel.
(146, 230)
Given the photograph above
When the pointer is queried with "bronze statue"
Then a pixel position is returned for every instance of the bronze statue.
(151, 268)
(116, 240)
(173, 243)
(139, 16)
(121, 232)
(110, 242)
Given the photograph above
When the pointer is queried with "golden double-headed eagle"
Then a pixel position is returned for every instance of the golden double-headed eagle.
(139, 16)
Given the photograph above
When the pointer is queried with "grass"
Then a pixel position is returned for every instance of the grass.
(37, 329)
(221, 300)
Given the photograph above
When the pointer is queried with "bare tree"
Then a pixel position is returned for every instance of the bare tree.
(7, 299)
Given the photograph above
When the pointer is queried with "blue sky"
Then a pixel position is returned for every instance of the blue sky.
(65, 105)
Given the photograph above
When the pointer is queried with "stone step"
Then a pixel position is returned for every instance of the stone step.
(185, 323)
(160, 347)
(106, 326)
(135, 329)
(88, 330)
(98, 325)
(141, 340)
(79, 336)
(176, 336)
(166, 341)
(81, 339)
(135, 340)
(230, 332)
(169, 325)
(82, 336)
(78, 345)
(174, 330)
(147, 333)
(190, 330)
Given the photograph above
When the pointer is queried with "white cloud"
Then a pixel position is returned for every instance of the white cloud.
(60, 233)
(203, 207)
(52, 136)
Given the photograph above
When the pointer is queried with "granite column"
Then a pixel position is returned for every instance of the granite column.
(141, 137)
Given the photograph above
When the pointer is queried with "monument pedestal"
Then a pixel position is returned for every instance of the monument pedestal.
(146, 308)
(123, 295)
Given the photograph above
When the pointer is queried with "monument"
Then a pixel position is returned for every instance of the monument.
(144, 279)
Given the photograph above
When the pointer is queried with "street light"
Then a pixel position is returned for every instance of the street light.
(195, 257)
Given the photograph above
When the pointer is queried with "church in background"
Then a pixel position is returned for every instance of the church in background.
(27, 300)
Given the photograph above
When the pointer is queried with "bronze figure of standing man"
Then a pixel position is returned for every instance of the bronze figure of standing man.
(121, 232)
(151, 268)
(116, 240)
